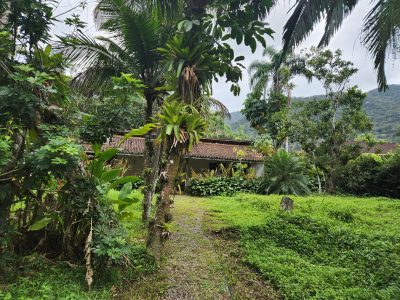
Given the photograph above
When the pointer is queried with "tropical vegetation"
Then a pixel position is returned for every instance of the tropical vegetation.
(75, 225)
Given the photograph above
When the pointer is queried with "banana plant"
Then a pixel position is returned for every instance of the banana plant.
(109, 180)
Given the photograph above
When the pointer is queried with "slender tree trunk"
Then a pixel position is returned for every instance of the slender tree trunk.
(152, 155)
(331, 178)
(152, 179)
(157, 228)
(289, 103)
(316, 171)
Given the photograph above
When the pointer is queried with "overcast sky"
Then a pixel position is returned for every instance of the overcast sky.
(347, 39)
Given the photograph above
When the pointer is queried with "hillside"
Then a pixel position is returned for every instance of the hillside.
(382, 108)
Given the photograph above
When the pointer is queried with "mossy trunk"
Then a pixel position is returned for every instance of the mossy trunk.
(157, 228)
(152, 155)
(151, 173)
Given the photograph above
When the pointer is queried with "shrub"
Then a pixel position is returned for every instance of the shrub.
(372, 175)
(388, 180)
(284, 174)
(359, 176)
(222, 186)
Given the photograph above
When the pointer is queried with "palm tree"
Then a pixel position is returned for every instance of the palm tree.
(134, 33)
(284, 175)
(380, 31)
(277, 70)
(264, 71)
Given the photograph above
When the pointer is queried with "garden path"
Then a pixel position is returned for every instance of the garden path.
(197, 264)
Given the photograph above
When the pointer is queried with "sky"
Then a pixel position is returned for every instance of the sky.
(347, 39)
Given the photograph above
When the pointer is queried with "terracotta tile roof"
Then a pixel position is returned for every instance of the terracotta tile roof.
(380, 148)
(207, 148)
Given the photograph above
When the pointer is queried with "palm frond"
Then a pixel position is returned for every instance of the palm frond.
(381, 31)
(94, 59)
(306, 14)
(336, 13)
(206, 103)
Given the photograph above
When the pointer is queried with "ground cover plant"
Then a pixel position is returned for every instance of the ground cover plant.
(330, 247)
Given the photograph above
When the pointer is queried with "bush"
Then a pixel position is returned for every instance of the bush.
(359, 176)
(388, 180)
(371, 175)
(222, 186)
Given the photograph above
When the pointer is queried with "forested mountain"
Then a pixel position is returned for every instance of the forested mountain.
(382, 108)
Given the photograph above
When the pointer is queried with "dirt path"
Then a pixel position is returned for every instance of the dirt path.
(198, 265)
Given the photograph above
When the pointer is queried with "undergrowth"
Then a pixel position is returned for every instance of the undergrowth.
(34, 277)
(328, 248)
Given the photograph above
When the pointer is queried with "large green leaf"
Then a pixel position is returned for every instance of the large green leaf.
(96, 149)
(40, 224)
(124, 179)
(125, 191)
(97, 167)
(139, 131)
(110, 175)
(108, 154)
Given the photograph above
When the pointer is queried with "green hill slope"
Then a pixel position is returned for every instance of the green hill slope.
(382, 108)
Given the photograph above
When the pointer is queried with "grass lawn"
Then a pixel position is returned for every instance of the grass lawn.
(330, 247)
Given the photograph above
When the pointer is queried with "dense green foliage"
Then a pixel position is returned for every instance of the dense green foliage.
(372, 175)
(222, 186)
(35, 277)
(327, 248)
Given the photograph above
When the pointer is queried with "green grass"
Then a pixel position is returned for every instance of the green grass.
(328, 248)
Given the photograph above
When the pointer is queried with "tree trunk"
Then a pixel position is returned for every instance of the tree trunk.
(317, 173)
(152, 154)
(152, 164)
(157, 228)
(331, 182)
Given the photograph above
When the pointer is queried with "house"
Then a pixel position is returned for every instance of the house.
(380, 148)
(206, 155)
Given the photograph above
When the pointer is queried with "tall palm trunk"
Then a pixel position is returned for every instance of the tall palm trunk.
(157, 228)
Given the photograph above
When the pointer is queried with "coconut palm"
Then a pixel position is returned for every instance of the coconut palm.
(284, 175)
(380, 31)
(135, 30)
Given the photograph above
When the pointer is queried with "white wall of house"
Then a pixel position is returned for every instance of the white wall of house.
(258, 168)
